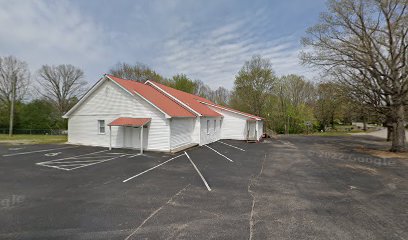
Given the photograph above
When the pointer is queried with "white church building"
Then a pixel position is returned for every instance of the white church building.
(119, 113)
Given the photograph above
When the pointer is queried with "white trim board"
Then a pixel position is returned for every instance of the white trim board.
(85, 96)
(174, 98)
(233, 111)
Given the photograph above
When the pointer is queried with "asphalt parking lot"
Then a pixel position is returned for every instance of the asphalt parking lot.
(79, 192)
(287, 188)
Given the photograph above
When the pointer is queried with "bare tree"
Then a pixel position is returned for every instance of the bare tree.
(364, 43)
(14, 81)
(222, 96)
(138, 72)
(299, 91)
(62, 85)
(203, 90)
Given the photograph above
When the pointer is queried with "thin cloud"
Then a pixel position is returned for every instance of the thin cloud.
(217, 55)
(208, 41)
(50, 33)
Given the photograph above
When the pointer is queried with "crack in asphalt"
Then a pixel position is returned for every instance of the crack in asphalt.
(156, 211)
(252, 222)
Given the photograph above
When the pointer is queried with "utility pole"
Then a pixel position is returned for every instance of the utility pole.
(13, 99)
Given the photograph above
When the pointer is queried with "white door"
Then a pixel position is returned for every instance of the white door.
(251, 130)
(131, 137)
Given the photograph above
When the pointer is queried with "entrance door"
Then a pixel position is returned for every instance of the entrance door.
(131, 137)
(251, 130)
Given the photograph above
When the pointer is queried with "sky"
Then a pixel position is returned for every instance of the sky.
(206, 40)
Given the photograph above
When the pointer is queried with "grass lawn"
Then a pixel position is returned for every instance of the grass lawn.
(32, 139)
(342, 130)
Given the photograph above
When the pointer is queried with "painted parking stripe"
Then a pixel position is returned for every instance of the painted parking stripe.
(79, 161)
(150, 169)
(90, 164)
(232, 146)
(74, 157)
(44, 150)
(68, 165)
(54, 167)
(198, 171)
(63, 166)
(219, 153)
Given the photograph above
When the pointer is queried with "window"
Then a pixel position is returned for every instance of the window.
(101, 126)
(215, 125)
(208, 126)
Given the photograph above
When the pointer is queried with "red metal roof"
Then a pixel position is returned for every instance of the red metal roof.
(154, 96)
(125, 121)
(190, 100)
(233, 110)
(152, 91)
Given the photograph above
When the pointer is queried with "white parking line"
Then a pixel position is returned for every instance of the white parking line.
(53, 167)
(94, 163)
(67, 165)
(198, 171)
(132, 156)
(44, 150)
(219, 153)
(74, 157)
(150, 169)
(232, 146)
(79, 161)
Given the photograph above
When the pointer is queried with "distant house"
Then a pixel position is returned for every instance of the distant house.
(121, 113)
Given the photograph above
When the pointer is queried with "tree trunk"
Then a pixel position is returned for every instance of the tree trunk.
(389, 133)
(399, 143)
(388, 125)
(364, 124)
(13, 99)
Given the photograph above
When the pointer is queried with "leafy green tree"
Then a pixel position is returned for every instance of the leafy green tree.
(253, 85)
(290, 105)
(183, 83)
(39, 114)
(328, 103)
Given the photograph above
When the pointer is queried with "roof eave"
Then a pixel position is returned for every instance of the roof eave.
(84, 97)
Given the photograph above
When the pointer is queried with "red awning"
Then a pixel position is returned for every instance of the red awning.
(131, 122)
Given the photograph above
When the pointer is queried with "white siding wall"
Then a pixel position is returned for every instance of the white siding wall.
(181, 131)
(212, 135)
(196, 131)
(234, 126)
(108, 103)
